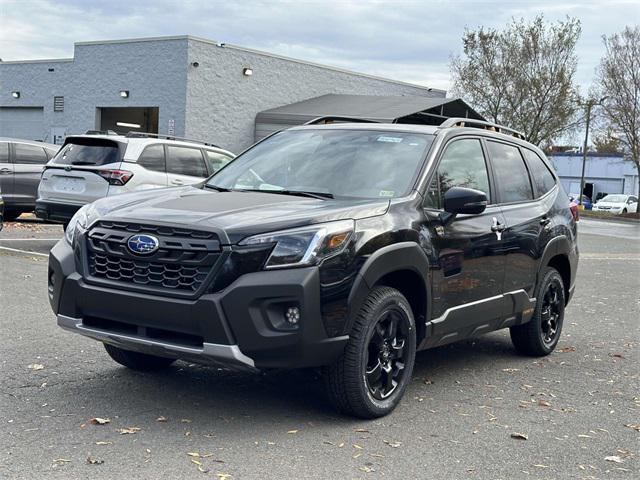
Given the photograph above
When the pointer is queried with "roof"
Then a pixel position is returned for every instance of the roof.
(30, 142)
(228, 46)
(383, 127)
(384, 109)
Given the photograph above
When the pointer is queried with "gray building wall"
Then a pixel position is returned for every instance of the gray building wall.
(213, 102)
(154, 72)
(608, 173)
(222, 103)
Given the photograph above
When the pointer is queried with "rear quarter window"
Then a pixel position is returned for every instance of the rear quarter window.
(152, 158)
(541, 176)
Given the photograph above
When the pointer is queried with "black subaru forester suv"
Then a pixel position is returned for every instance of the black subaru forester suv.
(347, 246)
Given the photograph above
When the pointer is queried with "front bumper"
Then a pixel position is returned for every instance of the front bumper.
(240, 327)
(59, 212)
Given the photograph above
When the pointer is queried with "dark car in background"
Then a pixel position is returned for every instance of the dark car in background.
(346, 246)
(21, 166)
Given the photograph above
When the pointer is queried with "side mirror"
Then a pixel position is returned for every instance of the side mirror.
(464, 200)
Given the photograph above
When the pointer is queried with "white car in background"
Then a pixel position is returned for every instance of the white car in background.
(617, 204)
(93, 166)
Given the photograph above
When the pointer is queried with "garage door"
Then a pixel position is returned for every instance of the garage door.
(22, 122)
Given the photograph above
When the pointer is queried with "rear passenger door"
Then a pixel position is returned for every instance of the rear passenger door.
(185, 165)
(526, 206)
(28, 163)
(152, 159)
(6, 172)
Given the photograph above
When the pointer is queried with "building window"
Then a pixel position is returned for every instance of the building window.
(58, 104)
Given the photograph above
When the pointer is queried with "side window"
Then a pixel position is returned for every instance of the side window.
(152, 158)
(186, 161)
(30, 154)
(462, 165)
(216, 160)
(4, 152)
(511, 175)
(542, 178)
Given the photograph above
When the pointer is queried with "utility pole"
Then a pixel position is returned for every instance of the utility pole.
(584, 151)
(590, 105)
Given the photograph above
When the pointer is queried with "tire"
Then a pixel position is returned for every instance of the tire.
(64, 226)
(11, 215)
(136, 360)
(624, 210)
(540, 335)
(374, 347)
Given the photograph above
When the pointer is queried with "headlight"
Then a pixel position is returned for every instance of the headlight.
(304, 246)
(78, 223)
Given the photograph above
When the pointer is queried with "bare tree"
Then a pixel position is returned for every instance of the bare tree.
(618, 78)
(522, 76)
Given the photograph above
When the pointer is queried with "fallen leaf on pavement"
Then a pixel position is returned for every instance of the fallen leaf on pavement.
(510, 370)
(392, 444)
(201, 469)
(223, 476)
(567, 349)
(104, 443)
(292, 432)
(543, 403)
(520, 436)
(366, 469)
(93, 461)
(614, 458)
(62, 460)
(361, 430)
(128, 430)
(635, 426)
(36, 366)
(161, 419)
(357, 446)
(100, 421)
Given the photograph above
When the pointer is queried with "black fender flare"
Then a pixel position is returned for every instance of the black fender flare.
(557, 246)
(389, 259)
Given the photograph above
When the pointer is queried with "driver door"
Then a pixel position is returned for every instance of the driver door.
(468, 274)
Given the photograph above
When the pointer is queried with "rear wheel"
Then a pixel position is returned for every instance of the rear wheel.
(540, 335)
(136, 360)
(372, 374)
(624, 210)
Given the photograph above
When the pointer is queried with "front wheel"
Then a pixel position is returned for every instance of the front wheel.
(370, 377)
(624, 210)
(136, 360)
(540, 335)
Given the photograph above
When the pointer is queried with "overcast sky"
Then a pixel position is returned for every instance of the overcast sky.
(405, 40)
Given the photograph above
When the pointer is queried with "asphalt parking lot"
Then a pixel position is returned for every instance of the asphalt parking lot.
(474, 410)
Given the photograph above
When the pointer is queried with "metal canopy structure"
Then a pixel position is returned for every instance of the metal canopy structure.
(385, 109)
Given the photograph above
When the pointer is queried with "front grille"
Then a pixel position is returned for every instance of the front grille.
(183, 262)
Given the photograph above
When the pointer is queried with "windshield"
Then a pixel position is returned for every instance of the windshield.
(88, 151)
(614, 198)
(338, 163)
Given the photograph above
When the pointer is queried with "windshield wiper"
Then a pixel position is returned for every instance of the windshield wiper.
(300, 193)
(217, 188)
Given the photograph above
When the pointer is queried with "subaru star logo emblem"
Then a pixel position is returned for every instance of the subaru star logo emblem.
(143, 244)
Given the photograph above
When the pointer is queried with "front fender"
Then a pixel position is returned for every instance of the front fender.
(389, 259)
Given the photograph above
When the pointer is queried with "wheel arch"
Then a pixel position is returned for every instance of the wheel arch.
(556, 255)
(403, 266)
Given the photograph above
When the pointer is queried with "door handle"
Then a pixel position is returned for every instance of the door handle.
(177, 182)
(5, 171)
(496, 226)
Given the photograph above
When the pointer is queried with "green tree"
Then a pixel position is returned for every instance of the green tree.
(522, 76)
(618, 79)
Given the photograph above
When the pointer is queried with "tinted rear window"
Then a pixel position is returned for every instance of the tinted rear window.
(512, 177)
(88, 151)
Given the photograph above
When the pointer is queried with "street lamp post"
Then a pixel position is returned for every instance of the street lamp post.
(590, 105)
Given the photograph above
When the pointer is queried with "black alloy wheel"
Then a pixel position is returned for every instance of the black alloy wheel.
(387, 354)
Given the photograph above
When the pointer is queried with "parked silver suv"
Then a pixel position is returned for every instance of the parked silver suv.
(21, 165)
(93, 166)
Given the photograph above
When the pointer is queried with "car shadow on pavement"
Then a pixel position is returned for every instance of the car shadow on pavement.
(206, 396)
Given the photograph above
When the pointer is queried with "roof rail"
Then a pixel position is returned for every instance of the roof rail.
(132, 134)
(100, 132)
(468, 122)
(332, 118)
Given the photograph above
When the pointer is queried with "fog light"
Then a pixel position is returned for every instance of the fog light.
(292, 315)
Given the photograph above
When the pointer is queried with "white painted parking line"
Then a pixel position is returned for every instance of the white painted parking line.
(27, 252)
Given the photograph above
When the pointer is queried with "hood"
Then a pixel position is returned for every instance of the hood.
(234, 215)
